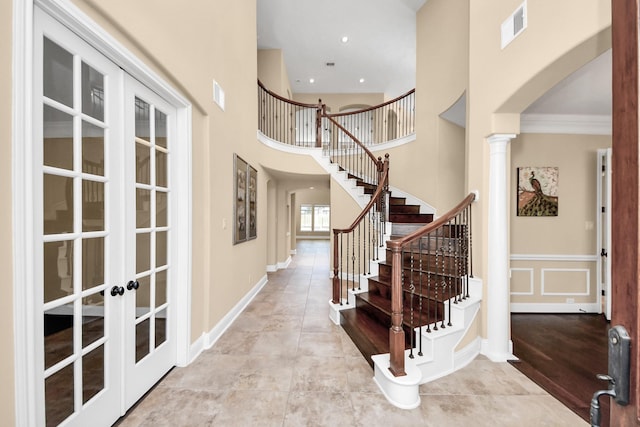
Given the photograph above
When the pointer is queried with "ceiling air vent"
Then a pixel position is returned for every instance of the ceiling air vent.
(331, 64)
(514, 25)
(218, 95)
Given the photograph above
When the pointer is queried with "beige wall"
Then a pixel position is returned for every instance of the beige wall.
(317, 196)
(7, 404)
(272, 72)
(437, 157)
(573, 232)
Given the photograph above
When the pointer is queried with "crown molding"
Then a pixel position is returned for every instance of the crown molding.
(566, 124)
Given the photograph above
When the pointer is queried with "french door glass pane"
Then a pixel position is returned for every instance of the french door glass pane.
(58, 335)
(143, 208)
(92, 92)
(92, 262)
(143, 164)
(161, 209)
(92, 318)
(58, 389)
(161, 248)
(92, 149)
(161, 327)
(92, 206)
(92, 373)
(58, 138)
(57, 73)
(58, 270)
(161, 129)
(161, 169)
(161, 288)
(143, 296)
(143, 252)
(58, 204)
(142, 118)
(142, 339)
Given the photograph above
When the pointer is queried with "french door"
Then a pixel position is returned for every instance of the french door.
(102, 232)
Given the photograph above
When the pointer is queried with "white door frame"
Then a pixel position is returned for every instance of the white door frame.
(22, 174)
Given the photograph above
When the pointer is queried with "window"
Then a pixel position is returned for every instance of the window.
(306, 218)
(314, 217)
(321, 218)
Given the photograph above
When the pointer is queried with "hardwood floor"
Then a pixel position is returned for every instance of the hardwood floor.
(562, 353)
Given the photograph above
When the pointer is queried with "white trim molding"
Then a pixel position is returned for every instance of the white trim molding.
(554, 257)
(566, 124)
(532, 307)
(531, 285)
(22, 175)
(583, 270)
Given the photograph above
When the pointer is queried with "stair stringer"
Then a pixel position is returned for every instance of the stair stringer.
(439, 357)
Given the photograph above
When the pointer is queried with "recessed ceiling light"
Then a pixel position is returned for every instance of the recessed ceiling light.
(311, 188)
(312, 80)
(344, 39)
(361, 80)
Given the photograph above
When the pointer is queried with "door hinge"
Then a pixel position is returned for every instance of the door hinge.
(603, 252)
(603, 292)
(604, 209)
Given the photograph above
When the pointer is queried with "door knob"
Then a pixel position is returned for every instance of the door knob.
(117, 290)
(133, 285)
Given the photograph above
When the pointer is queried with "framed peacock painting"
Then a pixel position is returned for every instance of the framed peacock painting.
(537, 191)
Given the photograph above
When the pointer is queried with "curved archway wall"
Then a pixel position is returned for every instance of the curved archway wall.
(458, 49)
(560, 38)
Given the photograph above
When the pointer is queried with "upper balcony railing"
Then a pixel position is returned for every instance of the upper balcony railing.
(307, 125)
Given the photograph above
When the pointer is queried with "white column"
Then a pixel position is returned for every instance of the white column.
(498, 344)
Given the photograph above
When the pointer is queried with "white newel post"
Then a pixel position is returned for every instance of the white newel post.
(498, 345)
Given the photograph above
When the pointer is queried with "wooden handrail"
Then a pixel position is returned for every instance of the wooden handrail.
(397, 246)
(374, 198)
(405, 240)
(355, 140)
(364, 110)
(288, 101)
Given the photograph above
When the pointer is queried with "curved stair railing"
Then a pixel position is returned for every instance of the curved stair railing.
(307, 125)
(356, 246)
(381, 123)
(430, 271)
(287, 121)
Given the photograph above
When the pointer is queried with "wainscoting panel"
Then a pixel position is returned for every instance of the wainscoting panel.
(554, 283)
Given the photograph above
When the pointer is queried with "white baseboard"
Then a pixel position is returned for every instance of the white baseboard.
(523, 307)
(271, 268)
(208, 339)
(462, 358)
(284, 264)
(327, 237)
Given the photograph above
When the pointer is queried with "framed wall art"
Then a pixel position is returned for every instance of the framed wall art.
(252, 192)
(537, 191)
(245, 196)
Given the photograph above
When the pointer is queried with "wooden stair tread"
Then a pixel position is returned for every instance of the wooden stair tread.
(383, 304)
(369, 335)
(410, 218)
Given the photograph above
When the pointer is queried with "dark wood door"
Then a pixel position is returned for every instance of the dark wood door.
(625, 238)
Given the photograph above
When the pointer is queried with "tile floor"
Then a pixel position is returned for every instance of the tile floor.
(284, 363)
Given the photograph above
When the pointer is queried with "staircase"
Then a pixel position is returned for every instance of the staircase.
(440, 299)
(367, 323)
